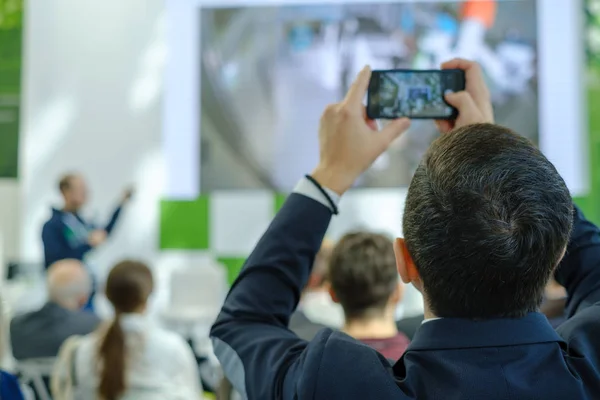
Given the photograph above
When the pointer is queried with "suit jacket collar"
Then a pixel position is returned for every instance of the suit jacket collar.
(458, 333)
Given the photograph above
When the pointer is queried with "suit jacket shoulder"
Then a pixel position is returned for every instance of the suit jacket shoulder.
(41, 333)
(582, 335)
(330, 360)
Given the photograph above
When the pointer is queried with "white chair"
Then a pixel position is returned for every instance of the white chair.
(33, 371)
(195, 299)
(196, 294)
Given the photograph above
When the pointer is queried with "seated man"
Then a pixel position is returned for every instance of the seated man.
(40, 333)
(487, 221)
(365, 281)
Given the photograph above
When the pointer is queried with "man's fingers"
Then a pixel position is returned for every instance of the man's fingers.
(458, 63)
(393, 130)
(475, 81)
(356, 93)
(461, 101)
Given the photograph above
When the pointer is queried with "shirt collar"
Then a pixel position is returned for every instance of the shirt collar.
(429, 320)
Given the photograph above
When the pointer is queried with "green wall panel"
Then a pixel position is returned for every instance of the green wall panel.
(280, 198)
(184, 225)
(11, 41)
(590, 204)
(234, 266)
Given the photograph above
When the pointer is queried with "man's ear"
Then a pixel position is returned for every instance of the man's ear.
(332, 295)
(406, 267)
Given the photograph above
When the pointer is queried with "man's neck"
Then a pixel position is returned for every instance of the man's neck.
(70, 209)
(65, 305)
(375, 328)
(427, 313)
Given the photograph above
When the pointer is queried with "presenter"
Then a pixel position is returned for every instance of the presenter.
(67, 234)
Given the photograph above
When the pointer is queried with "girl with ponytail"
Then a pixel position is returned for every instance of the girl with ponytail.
(131, 357)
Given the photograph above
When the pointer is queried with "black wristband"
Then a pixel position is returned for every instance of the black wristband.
(329, 199)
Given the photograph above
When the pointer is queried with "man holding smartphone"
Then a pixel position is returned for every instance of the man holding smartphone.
(487, 222)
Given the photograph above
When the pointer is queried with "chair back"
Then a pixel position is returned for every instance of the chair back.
(33, 371)
(198, 292)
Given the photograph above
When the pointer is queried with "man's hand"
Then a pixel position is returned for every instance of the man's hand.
(349, 141)
(473, 104)
(127, 194)
(97, 237)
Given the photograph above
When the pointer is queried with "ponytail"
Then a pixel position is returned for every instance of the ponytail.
(112, 358)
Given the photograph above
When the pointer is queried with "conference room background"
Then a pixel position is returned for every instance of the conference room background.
(200, 207)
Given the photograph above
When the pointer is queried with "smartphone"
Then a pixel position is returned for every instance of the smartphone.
(416, 94)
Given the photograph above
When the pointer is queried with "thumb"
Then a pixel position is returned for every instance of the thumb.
(460, 100)
(393, 130)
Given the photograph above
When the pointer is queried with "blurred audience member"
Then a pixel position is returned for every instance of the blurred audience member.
(304, 327)
(314, 296)
(555, 302)
(66, 234)
(316, 303)
(365, 281)
(131, 358)
(41, 333)
(9, 387)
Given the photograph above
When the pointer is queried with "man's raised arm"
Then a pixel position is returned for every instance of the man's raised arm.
(259, 354)
(579, 271)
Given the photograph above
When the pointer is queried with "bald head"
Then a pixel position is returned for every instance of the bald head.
(69, 284)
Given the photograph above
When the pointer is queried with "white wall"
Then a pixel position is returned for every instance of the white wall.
(9, 220)
(92, 90)
(93, 81)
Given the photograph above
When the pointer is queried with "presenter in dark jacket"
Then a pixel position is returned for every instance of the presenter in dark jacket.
(67, 235)
(487, 221)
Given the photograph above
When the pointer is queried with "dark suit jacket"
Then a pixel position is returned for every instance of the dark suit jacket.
(65, 235)
(449, 358)
(40, 333)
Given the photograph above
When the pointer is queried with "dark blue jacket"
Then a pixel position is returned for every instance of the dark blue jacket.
(65, 235)
(9, 387)
(448, 359)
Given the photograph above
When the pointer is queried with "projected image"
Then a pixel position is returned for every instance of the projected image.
(400, 94)
(267, 73)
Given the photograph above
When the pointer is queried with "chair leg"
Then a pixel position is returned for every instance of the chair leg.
(40, 388)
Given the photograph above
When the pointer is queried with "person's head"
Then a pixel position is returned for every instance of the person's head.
(486, 221)
(363, 276)
(128, 286)
(69, 284)
(318, 280)
(74, 191)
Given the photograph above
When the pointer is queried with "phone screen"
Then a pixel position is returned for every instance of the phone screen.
(413, 93)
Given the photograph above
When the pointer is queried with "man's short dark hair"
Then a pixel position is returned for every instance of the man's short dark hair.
(487, 219)
(363, 274)
(65, 182)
